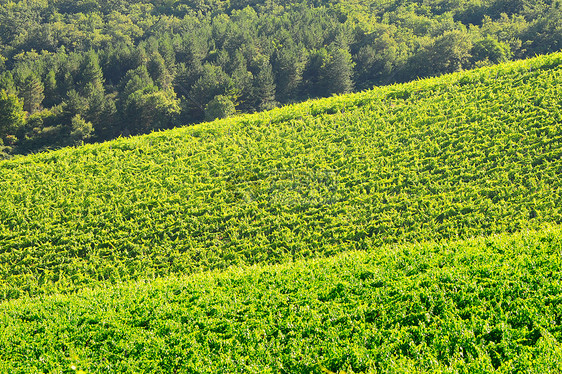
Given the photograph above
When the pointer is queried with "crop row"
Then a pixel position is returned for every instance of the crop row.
(481, 305)
(463, 155)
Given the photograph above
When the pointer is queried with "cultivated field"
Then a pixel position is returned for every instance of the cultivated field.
(329, 235)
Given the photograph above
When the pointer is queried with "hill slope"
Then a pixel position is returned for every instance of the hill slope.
(481, 305)
(463, 155)
(91, 70)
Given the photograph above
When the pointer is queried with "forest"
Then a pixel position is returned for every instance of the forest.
(73, 72)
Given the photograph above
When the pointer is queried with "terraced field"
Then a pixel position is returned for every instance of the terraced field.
(285, 241)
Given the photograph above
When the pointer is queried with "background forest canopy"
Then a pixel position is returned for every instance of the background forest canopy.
(91, 70)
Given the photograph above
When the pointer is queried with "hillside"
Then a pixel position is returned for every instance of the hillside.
(482, 305)
(409, 228)
(92, 70)
(463, 155)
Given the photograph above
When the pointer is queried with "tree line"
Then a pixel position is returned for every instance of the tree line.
(92, 70)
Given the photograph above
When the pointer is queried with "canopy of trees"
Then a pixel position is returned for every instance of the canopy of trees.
(91, 70)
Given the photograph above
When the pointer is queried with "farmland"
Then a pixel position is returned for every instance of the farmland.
(479, 305)
(410, 227)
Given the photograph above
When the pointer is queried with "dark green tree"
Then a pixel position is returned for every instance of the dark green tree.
(242, 81)
(330, 71)
(451, 51)
(448, 53)
(91, 74)
(74, 104)
(159, 72)
(212, 81)
(379, 57)
(50, 91)
(116, 62)
(337, 72)
(290, 63)
(490, 49)
(100, 111)
(264, 86)
(547, 32)
(135, 80)
(7, 82)
(150, 109)
(166, 49)
(80, 129)
(313, 77)
(32, 93)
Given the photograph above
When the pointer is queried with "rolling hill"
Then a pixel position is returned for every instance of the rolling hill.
(482, 305)
(329, 235)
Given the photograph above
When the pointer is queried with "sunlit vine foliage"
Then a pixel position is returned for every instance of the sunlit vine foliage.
(463, 155)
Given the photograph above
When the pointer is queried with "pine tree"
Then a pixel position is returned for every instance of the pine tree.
(91, 72)
(314, 74)
(138, 57)
(151, 109)
(220, 107)
(74, 104)
(337, 72)
(159, 72)
(80, 129)
(51, 96)
(117, 61)
(106, 127)
(136, 80)
(32, 93)
(7, 82)
(242, 81)
(166, 49)
(96, 105)
(65, 83)
(264, 87)
(289, 67)
(213, 81)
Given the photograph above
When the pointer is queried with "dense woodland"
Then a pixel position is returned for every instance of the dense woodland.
(92, 70)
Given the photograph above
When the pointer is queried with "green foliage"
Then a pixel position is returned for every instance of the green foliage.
(259, 54)
(220, 107)
(295, 209)
(151, 109)
(264, 87)
(32, 93)
(81, 130)
(483, 305)
(213, 81)
(448, 53)
(159, 72)
(11, 114)
(338, 70)
(136, 80)
(50, 90)
(489, 49)
(48, 129)
(463, 155)
(91, 74)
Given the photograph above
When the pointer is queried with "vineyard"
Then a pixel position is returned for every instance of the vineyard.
(411, 227)
(471, 306)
